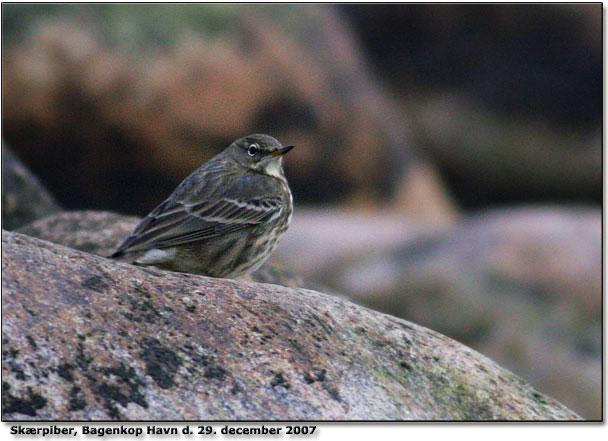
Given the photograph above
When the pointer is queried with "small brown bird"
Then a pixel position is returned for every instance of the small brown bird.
(224, 220)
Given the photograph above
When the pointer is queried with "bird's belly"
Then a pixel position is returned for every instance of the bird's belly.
(261, 247)
(228, 256)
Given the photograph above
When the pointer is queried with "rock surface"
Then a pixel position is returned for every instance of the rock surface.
(24, 199)
(88, 338)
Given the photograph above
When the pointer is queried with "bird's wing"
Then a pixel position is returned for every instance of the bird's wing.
(177, 222)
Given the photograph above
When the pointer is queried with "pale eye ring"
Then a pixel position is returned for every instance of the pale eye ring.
(253, 149)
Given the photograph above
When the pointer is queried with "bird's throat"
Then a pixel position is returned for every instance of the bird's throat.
(274, 169)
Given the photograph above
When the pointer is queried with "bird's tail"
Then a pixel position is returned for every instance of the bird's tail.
(116, 254)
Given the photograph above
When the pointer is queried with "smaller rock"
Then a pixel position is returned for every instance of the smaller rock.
(95, 232)
(24, 198)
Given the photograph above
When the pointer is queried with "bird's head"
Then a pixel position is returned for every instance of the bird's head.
(262, 153)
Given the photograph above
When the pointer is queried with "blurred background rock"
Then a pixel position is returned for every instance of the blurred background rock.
(448, 167)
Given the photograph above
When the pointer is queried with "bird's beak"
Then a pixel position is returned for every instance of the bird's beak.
(281, 151)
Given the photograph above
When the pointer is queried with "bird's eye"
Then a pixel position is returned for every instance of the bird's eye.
(253, 149)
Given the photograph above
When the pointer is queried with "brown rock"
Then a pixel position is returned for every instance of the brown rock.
(145, 122)
(89, 338)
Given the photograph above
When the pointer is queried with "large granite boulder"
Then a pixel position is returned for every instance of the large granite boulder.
(471, 282)
(88, 338)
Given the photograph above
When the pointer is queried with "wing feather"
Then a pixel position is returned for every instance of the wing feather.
(176, 223)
